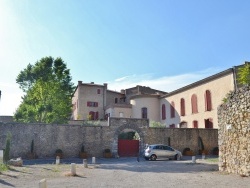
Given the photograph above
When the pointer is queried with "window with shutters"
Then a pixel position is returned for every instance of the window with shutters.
(208, 101)
(195, 124)
(172, 110)
(93, 115)
(182, 107)
(98, 91)
(194, 104)
(116, 100)
(208, 123)
(144, 113)
(92, 104)
(163, 112)
(172, 126)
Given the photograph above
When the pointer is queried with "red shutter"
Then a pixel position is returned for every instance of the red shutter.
(208, 101)
(194, 104)
(163, 111)
(195, 124)
(182, 107)
(172, 110)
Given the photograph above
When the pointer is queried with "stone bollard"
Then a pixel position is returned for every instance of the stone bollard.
(57, 160)
(203, 156)
(85, 163)
(193, 159)
(73, 169)
(93, 160)
(43, 183)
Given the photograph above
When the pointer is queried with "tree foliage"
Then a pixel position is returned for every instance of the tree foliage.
(48, 89)
(244, 74)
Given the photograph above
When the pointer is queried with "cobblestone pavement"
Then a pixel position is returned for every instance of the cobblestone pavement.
(122, 172)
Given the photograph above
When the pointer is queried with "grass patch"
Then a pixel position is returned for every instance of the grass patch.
(214, 160)
(3, 167)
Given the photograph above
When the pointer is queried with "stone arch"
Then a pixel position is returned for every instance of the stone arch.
(120, 129)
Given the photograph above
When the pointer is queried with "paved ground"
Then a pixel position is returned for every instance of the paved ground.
(123, 172)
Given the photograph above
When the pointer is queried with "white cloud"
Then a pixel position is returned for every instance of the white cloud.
(10, 98)
(166, 83)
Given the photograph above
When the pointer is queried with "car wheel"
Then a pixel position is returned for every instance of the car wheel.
(153, 157)
(176, 157)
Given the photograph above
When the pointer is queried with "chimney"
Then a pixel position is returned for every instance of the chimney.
(79, 82)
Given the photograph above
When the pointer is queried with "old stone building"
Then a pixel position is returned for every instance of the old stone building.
(192, 106)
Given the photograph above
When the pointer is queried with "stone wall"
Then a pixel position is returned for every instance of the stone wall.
(234, 133)
(47, 137)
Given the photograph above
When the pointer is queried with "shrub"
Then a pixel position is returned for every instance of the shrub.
(185, 150)
(6, 155)
(107, 151)
(59, 151)
(82, 149)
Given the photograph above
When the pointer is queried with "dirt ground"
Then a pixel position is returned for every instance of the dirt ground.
(122, 172)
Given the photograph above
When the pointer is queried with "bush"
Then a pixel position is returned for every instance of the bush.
(3, 167)
(185, 150)
(107, 151)
(82, 149)
(6, 154)
(59, 151)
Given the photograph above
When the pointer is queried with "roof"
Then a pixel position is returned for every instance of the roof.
(200, 82)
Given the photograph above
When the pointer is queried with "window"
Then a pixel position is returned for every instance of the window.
(208, 101)
(116, 100)
(163, 112)
(172, 110)
(144, 113)
(194, 104)
(92, 104)
(98, 91)
(209, 123)
(168, 148)
(93, 115)
(183, 124)
(172, 126)
(195, 124)
(182, 107)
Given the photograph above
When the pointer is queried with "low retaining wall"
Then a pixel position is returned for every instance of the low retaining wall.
(69, 138)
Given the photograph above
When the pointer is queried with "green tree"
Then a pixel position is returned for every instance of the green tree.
(244, 74)
(48, 88)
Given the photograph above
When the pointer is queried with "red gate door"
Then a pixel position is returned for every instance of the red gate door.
(128, 148)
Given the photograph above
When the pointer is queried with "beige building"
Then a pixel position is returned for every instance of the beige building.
(93, 101)
(192, 106)
(195, 105)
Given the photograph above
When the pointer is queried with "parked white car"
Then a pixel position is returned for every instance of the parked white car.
(155, 151)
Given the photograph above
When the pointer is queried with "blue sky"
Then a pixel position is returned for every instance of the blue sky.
(163, 44)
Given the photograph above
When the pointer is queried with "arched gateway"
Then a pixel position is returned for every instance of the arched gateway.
(125, 146)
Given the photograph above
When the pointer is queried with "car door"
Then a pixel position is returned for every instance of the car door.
(168, 151)
(158, 150)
